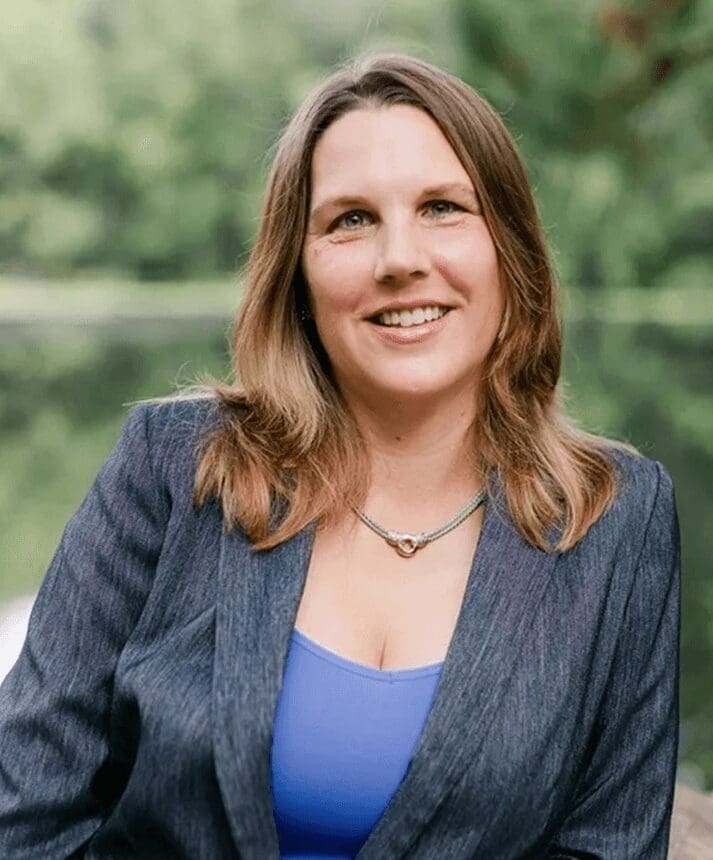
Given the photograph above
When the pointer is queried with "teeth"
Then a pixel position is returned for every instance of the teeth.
(412, 317)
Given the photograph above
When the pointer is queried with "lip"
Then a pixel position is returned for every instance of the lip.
(410, 334)
(406, 305)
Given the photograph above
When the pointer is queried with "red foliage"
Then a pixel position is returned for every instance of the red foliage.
(628, 26)
(662, 68)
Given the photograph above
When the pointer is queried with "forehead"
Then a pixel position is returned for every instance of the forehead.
(382, 143)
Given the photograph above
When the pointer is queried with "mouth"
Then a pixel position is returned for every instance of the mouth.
(411, 317)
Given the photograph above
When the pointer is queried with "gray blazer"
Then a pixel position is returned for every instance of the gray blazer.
(137, 720)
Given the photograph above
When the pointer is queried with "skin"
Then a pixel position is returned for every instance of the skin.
(394, 239)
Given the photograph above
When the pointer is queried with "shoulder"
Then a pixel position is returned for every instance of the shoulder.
(643, 510)
(173, 423)
(643, 484)
(170, 430)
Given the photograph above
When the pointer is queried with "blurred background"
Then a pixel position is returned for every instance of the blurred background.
(134, 143)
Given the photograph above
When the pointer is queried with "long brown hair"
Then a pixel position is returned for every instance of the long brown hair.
(287, 435)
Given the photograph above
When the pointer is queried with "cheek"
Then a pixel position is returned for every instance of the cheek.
(335, 282)
(472, 268)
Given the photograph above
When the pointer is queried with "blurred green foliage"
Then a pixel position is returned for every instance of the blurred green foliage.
(133, 136)
(135, 139)
(610, 103)
(136, 136)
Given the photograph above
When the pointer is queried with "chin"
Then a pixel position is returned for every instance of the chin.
(417, 389)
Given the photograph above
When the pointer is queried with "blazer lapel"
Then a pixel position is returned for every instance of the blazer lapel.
(258, 595)
(507, 580)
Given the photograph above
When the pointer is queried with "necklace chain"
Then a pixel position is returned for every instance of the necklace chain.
(406, 545)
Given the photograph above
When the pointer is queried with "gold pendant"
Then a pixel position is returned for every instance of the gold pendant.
(406, 545)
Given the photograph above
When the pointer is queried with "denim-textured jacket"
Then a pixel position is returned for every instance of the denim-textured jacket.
(137, 720)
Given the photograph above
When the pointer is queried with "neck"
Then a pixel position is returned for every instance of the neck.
(423, 456)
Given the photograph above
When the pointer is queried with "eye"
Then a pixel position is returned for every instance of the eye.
(443, 207)
(350, 220)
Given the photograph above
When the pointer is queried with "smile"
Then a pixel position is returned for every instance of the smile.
(406, 333)
(411, 317)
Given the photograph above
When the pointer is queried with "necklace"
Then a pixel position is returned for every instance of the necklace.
(406, 544)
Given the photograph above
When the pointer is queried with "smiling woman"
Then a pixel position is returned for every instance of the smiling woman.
(377, 597)
(408, 248)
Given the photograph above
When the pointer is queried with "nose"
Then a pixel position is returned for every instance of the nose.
(401, 253)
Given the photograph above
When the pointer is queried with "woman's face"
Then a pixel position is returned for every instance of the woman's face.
(395, 228)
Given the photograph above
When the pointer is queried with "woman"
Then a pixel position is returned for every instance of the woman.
(378, 598)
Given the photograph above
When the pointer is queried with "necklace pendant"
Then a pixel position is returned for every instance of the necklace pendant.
(406, 545)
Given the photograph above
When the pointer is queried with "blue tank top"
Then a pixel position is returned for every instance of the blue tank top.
(343, 736)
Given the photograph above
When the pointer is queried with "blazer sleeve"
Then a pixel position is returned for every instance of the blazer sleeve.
(55, 702)
(623, 803)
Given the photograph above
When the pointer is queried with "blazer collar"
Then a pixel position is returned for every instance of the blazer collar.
(259, 593)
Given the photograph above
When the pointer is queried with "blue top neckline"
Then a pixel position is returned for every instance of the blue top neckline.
(361, 668)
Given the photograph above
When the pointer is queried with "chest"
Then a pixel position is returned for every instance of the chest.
(363, 601)
(525, 666)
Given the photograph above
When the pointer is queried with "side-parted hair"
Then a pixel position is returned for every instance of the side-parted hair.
(286, 434)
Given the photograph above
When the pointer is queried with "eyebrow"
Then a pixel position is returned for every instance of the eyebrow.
(443, 190)
(451, 188)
